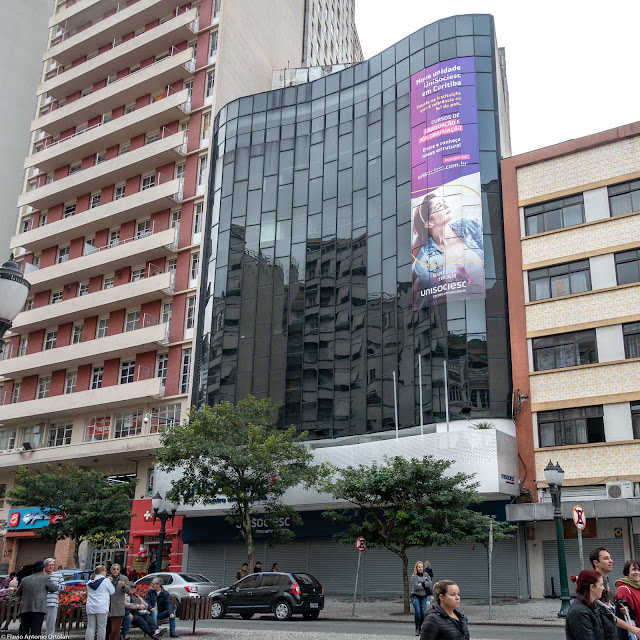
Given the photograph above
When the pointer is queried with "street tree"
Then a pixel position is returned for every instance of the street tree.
(89, 505)
(403, 503)
(238, 454)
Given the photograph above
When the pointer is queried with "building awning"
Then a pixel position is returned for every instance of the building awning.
(541, 511)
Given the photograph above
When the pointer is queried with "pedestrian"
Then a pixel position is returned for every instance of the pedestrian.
(7, 580)
(421, 587)
(99, 590)
(138, 615)
(428, 569)
(602, 562)
(244, 571)
(628, 590)
(52, 598)
(444, 621)
(274, 567)
(32, 592)
(160, 605)
(116, 607)
(258, 567)
(584, 620)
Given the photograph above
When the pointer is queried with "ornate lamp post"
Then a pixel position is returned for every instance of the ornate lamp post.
(168, 512)
(554, 475)
(14, 289)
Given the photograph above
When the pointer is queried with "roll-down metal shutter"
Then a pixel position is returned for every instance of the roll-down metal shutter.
(207, 559)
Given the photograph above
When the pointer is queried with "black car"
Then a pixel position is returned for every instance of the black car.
(282, 594)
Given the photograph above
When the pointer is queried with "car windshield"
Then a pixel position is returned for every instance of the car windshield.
(194, 577)
(306, 579)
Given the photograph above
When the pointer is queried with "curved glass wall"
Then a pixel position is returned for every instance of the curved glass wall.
(308, 295)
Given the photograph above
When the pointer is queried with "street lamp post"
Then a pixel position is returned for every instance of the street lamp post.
(14, 290)
(554, 475)
(168, 512)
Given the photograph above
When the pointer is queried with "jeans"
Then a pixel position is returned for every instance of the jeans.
(419, 608)
(96, 626)
(31, 623)
(146, 624)
(126, 625)
(163, 615)
(52, 614)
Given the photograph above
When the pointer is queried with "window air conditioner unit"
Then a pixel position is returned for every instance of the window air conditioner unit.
(620, 489)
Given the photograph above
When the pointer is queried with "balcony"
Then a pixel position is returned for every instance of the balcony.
(601, 383)
(94, 400)
(157, 243)
(142, 160)
(119, 345)
(73, 45)
(583, 310)
(94, 303)
(142, 82)
(82, 12)
(138, 205)
(102, 136)
(142, 47)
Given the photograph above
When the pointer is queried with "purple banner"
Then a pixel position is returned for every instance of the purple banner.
(446, 244)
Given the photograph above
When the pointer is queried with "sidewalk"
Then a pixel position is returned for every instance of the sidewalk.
(506, 611)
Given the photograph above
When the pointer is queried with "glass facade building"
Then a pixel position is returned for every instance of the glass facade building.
(307, 296)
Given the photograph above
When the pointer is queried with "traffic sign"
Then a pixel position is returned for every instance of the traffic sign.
(361, 544)
(579, 519)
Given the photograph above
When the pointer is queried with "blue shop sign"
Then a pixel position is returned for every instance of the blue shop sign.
(30, 518)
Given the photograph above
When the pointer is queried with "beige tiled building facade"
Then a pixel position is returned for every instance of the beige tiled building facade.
(572, 233)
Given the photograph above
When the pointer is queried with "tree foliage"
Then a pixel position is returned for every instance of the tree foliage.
(238, 454)
(404, 503)
(93, 508)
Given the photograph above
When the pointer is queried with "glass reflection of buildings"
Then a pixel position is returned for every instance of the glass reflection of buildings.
(308, 296)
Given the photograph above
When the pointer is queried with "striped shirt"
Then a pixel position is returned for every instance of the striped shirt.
(52, 597)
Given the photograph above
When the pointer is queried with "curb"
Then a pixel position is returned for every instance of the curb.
(479, 623)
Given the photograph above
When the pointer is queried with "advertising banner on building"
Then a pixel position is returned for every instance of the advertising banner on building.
(31, 518)
(446, 245)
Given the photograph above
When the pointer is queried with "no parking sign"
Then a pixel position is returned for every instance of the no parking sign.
(361, 544)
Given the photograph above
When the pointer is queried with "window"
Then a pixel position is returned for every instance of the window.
(56, 296)
(174, 219)
(108, 282)
(628, 266)
(50, 340)
(185, 369)
(557, 214)
(63, 254)
(127, 371)
(16, 392)
(44, 384)
(213, 44)
(565, 350)
(132, 322)
(202, 170)
(114, 238)
(101, 157)
(164, 415)
(137, 274)
(23, 346)
(211, 80)
(59, 433)
(70, 382)
(631, 332)
(94, 201)
(36, 261)
(206, 123)
(635, 419)
(97, 428)
(130, 108)
(191, 312)
(43, 219)
(166, 312)
(216, 8)
(119, 192)
(107, 116)
(560, 280)
(74, 168)
(33, 435)
(69, 209)
(26, 223)
(189, 86)
(571, 426)
(152, 137)
(143, 229)
(172, 265)
(161, 367)
(76, 334)
(198, 210)
(83, 288)
(124, 148)
(96, 377)
(180, 171)
(148, 182)
(103, 328)
(128, 423)
(624, 198)
(195, 265)
(87, 92)
(7, 439)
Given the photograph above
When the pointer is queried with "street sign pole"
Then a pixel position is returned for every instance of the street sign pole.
(580, 549)
(355, 590)
(489, 554)
(580, 521)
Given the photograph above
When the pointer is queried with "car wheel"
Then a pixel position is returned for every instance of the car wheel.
(246, 616)
(310, 615)
(282, 610)
(217, 610)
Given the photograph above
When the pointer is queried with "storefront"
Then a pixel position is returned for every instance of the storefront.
(144, 539)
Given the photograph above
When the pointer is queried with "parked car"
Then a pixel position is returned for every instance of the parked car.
(282, 594)
(73, 577)
(182, 585)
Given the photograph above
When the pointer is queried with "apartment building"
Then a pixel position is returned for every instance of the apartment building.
(109, 228)
(572, 236)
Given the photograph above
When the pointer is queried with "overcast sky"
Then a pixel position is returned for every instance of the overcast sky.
(572, 67)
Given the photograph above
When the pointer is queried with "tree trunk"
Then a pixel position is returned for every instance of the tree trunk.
(405, 581)
(248, 536)
(76, 546)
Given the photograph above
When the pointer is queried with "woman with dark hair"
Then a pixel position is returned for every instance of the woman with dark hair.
(584, 618)
(628, 593)
(444, 621)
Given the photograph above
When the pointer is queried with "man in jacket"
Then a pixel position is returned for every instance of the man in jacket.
(33, 600)
(138, 615)
(160, 605)
(52, 598)
(116, 607)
